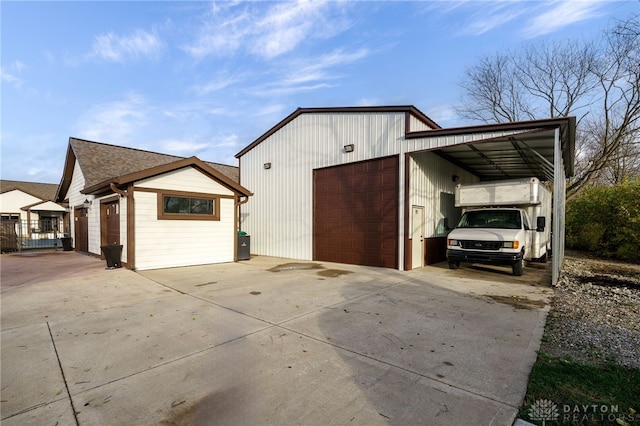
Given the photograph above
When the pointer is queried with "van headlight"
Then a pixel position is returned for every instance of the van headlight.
(511, 244)
(452, 242)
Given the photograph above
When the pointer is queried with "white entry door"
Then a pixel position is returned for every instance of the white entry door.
(417, 235)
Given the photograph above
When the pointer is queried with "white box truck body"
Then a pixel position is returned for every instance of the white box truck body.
(503, 223)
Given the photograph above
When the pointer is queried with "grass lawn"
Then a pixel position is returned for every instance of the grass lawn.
(578, 394)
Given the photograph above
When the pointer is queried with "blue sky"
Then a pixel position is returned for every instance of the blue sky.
(206, 79)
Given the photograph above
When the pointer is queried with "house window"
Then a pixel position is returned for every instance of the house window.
(48, 224)
(185, 206)
(10, 216)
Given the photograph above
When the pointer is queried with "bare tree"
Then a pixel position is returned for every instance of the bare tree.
(596, 82)
(493, 91)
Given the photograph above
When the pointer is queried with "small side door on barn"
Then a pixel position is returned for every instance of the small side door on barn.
(417, 237)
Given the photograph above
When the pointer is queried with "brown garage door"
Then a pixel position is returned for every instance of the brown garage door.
(356, 213)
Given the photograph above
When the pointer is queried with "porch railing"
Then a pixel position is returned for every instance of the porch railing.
(18, 235)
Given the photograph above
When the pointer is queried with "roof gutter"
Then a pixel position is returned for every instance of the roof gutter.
(115, 189)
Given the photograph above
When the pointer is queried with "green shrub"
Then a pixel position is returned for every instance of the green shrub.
(605, 220)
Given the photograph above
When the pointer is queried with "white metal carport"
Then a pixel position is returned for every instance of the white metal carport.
(541, 148)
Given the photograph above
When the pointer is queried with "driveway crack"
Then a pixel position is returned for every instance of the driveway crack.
(64, 379)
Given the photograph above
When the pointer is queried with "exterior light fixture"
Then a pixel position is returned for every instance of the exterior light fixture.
(455, 178)
(267, 165)
(348, 148)
(86, 203)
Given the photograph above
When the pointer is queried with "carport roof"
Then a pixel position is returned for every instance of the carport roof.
(507, 150)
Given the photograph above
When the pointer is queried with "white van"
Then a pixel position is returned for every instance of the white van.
(504, 223)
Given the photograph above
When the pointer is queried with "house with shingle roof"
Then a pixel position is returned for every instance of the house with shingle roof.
(27, 211)
(164, 210)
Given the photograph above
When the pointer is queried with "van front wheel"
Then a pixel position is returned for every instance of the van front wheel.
(454, 265)
(518, 268)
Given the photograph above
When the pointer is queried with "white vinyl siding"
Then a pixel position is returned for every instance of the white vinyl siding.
(186, 179)
(13, 201)
(172, 243)
(76, 199)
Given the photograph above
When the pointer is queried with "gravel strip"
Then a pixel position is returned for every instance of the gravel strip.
(595, 313)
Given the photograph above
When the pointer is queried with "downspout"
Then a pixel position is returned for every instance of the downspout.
(130, 223)
(115, 189)
(237, 203)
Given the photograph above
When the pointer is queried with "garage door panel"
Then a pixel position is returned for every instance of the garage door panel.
(356, 214)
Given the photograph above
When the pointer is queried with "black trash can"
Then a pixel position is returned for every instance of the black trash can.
(112, 254)
(66, 243)
(244, 247)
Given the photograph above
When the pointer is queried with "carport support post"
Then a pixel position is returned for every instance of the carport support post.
(559, 203)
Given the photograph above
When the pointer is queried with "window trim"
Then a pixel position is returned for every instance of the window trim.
(188, 216)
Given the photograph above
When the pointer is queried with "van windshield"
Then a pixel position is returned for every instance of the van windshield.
(503, 219)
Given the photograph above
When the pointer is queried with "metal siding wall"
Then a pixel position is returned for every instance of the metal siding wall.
(279, 217)
(430, 176)
(416, 125)
(442, 141)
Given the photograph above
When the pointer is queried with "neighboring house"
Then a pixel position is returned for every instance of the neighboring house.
(164, 210)
(28, 216)
(374, 185)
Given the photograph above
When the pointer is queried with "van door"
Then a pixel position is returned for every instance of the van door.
(528, 236)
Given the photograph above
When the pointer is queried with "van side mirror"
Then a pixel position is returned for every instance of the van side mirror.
(541, 222)
(446, 224)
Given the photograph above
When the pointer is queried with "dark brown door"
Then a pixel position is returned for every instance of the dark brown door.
(356, 213)
(110, 223)
(81, 230)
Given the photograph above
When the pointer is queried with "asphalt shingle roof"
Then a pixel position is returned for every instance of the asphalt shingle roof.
(100, 162)
(44, 191)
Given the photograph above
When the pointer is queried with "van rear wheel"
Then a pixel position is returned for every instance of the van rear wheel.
(518, 268)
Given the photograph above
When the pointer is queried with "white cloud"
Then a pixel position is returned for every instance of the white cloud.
(10, 74)
(445, 116)
(301, 77)
(265, 29)
(182, 146)
(214, 85)
(534, 18)
(10, 78)
(115, 48)
(562, 14)
(276, 109)
(316, 71)
(114, 122)
(193, 111)
(490, 18)
(226, 141)
(367, 102)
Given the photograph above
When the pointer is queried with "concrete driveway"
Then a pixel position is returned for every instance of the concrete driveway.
(266, 341)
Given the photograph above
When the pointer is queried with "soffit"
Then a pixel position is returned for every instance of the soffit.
(525, 149)
(514, 156)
